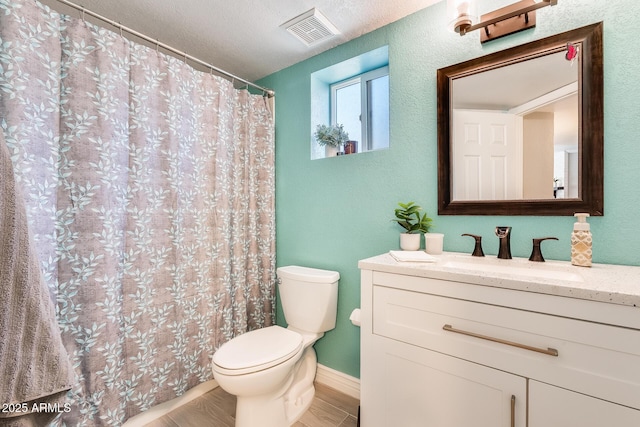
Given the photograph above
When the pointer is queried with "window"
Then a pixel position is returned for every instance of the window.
(354, 93)
(361, 104)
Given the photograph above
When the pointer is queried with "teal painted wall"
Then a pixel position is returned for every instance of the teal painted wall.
(333, 212)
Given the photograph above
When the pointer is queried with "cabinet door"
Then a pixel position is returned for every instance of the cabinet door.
(418, 387)
(551, 406)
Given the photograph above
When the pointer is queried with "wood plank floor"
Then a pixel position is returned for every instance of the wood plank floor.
(217, 408)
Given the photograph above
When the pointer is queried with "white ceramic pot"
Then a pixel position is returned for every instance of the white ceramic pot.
(410, 241)
(330, 151)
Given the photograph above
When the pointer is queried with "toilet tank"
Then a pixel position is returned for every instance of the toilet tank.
(309, 297)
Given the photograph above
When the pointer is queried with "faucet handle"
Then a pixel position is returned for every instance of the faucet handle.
(536, 252)
(477, 251)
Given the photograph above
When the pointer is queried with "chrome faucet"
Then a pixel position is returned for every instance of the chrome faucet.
(504, 236)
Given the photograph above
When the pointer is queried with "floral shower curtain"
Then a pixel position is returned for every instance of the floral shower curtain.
(150, 194)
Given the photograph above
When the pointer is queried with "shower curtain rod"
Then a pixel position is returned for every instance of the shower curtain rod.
(265, 91)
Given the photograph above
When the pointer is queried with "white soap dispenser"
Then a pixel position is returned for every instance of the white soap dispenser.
(581, 241)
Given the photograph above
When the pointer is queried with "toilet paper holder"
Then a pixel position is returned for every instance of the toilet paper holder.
(355, 317)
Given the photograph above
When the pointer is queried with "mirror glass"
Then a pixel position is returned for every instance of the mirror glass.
(520, 131)
(517, 139)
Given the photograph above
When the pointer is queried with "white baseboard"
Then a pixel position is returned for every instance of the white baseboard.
(337, 380)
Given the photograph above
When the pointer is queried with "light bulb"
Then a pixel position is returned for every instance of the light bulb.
(461, 14)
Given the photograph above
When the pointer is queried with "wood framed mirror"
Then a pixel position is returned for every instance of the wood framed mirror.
(505, 149)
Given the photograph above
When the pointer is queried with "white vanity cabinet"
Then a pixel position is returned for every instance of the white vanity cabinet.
(412, 386)
(554, 406)
(441, 348)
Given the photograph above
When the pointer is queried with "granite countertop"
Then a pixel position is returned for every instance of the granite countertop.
(616, 284)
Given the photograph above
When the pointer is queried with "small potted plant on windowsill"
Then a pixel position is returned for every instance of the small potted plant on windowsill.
(409, 218)
(331, 137)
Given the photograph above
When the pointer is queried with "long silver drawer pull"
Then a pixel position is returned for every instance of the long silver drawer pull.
(549, 351)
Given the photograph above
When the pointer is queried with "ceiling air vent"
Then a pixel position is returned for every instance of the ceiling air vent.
(311, 27)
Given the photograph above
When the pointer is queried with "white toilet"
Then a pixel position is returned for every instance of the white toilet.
(271, 370)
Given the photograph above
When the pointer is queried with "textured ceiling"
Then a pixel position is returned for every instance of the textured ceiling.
(244, 37)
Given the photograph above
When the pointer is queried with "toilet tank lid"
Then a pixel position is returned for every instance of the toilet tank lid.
(307, 274)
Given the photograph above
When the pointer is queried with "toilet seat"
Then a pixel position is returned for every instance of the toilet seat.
(257, 350)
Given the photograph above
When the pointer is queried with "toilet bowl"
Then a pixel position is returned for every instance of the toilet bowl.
(271, 370)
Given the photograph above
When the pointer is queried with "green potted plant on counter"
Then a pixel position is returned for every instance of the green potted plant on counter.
(414, 224)
(332, 137)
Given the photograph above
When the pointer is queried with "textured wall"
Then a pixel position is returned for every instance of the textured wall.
(333, 212)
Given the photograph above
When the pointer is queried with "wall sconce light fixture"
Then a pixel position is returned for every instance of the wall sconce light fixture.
(499, 23)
